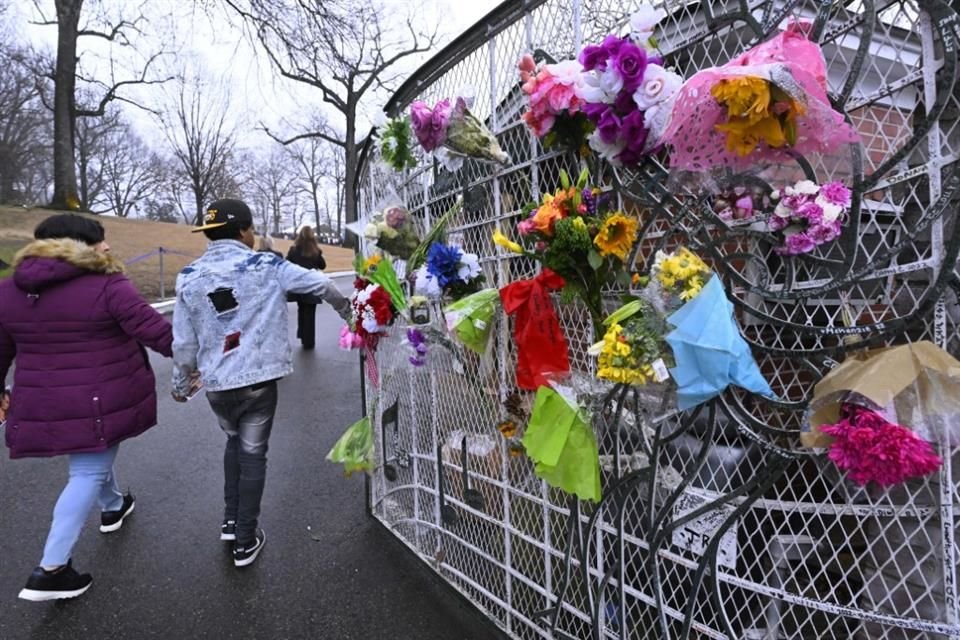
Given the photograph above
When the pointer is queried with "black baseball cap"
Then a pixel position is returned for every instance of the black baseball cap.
(227, 211)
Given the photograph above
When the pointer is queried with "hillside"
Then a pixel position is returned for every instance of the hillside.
(132, 239)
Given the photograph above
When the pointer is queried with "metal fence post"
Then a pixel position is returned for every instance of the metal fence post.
(163, 284)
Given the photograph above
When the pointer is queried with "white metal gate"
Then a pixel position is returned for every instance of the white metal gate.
(787, 550)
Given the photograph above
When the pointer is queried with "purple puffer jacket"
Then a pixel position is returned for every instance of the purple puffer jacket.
(75, 324)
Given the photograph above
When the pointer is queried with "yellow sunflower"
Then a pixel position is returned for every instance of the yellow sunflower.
(616, 236)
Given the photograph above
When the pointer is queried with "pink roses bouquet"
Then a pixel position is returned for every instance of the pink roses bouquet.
(554, 114)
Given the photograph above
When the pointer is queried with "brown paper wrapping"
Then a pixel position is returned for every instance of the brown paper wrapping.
(884, 377)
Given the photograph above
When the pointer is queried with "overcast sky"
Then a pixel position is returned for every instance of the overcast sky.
(219, 48)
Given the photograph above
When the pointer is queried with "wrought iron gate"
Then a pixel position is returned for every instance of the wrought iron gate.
(733, 531)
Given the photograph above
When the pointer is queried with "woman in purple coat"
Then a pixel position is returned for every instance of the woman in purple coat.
(82, 384)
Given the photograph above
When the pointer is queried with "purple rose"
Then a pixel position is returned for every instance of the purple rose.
(799, 243)
(634, 133)
(631, 62)
(594, 57)
(836, 193)
(609, 126)
(594, 110)
(811, 212)
(624, 102)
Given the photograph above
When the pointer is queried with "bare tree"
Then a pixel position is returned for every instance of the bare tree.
(66, 71)
(131, 172)
(92, 146)
(345, 50)
(25, 129)
(202, 141)
(274, 185)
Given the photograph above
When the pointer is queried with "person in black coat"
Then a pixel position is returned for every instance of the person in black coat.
(306, 253)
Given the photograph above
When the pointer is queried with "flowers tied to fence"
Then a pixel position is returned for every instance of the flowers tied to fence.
(576, 233)
(617, 95)
(394, 231)
(449, 272)
(758, 108)
(395, 144)
(809, 215)
(450, 124)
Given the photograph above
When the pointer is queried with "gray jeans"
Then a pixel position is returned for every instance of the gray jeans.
(246, 416)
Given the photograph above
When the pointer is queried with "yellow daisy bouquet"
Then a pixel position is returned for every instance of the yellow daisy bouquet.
(632, 350)
(577, 233)
(680, 273)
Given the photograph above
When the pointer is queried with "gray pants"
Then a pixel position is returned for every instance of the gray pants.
(246, 416)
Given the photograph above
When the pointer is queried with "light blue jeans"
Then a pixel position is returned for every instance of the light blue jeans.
(91, 479)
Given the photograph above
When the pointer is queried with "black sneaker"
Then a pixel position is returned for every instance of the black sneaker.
(111, 521)
(228, 531)
(65, 582)
(246, 554)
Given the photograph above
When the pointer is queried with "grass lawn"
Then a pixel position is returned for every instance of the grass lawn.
(132, 239)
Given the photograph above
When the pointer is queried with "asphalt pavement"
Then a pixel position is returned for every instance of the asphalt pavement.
(328, 570)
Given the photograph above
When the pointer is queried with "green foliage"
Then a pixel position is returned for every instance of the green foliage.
(396, 144)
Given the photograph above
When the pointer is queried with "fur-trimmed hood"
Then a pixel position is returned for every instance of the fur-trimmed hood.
(44, 263)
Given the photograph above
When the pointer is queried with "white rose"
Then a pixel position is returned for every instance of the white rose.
(788, 191)
(371, 232)
(588, 89)
(644, 21)
(611, 81)
(657, 86)
(807, 188)
(567, 72)
(608, 151)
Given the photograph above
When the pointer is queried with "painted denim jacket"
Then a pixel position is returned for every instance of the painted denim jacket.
(230, 317)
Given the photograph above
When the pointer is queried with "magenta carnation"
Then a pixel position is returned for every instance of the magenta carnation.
(869, 449)
(797, 243)
(836, 193)
(430, 125)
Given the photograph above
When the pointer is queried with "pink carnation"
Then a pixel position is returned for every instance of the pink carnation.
(836, 193)
(869, 448)
(796, 244)
(349, 340)
(811, 212)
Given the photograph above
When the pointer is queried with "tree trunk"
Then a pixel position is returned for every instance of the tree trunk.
(350, 178)
(64, 118)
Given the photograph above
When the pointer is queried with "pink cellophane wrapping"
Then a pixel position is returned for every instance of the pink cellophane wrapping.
(789, 60)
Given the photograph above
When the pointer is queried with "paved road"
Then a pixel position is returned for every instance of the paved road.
(328, 571)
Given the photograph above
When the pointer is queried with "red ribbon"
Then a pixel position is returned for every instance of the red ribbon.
(541, 345)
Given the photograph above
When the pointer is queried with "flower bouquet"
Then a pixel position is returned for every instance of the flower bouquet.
(632, 350)
(393, 230)
(375, 303)
(626, 92)
(448, 271)
(554, 114)
(809, 215)
(871, 449)
(451, 125)
(578, 234)
(680, 274)
(395, 143)
(709, 352)
(761, 106)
